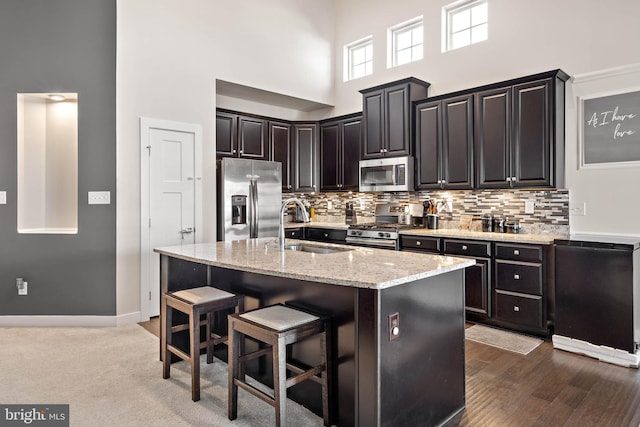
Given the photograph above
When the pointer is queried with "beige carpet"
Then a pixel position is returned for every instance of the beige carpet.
(113, 377)
(505, 340)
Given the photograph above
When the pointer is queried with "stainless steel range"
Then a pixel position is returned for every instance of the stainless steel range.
(384, 232)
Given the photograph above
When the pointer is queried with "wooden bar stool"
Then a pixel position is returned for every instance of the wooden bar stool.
(194, 303)
(277, 326)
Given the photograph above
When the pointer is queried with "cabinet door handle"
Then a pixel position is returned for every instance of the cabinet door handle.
(326, 235)
(516, 252)
(464, 247)
(516, 308)
(516, 277)
(418, 243)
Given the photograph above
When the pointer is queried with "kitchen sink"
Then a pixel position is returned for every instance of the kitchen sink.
(301, 247)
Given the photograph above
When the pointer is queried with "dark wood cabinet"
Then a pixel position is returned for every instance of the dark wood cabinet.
(340, 153)
(226, 134)
(241, 136)
(388, 118)
(305, 155)
(477, 287)
(328, 235)
(281, 151)
(519, 132)
(294, 233)
(444, 143)
(522, 287)
(511, 285)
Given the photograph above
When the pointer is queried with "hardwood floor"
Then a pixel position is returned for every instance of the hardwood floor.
(546, 388)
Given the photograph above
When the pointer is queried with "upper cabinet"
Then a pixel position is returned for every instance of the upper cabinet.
(388, 118)
(519, 132)
(305, 156)
(340, 141)
(282, 151)
(444, 143)
(241, 136)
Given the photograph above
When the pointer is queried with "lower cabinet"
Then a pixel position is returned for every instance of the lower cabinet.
(294, 233)
(510, 285)
(328, 235)
(477, 278)
(523, 287)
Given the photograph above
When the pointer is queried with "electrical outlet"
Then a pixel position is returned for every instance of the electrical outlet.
(578, 209)
(329, 205)
(23, 290)
(362, 205)
(529, 206)
(99, 197)
(3, 197)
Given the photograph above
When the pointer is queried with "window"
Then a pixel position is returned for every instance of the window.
(358, 59)
(464, 23)
(405, 42)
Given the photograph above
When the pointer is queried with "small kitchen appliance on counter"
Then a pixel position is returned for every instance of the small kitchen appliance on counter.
(597, 297)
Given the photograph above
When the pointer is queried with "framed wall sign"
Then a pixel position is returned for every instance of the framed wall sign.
(609, 129)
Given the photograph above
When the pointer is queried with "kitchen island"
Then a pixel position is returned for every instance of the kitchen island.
(413, 377)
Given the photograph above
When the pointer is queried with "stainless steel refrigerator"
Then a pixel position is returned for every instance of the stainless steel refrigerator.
(249, 198)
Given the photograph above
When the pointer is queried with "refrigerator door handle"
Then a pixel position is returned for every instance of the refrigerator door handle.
(253, 196)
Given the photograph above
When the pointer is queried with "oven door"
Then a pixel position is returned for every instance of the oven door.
(373, 243)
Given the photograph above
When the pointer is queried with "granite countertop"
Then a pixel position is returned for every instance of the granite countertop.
(357, 267)
(540, 239)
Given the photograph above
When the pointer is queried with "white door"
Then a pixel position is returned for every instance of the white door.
(174, 189)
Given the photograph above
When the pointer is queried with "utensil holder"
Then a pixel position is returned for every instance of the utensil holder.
(432, 221)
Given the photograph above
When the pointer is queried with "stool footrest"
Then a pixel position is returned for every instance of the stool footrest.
(302, 374)
(256, 392)
(181, 354)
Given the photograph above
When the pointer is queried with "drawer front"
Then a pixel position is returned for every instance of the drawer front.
(531, 253)
(326, 235)
(427, 244)
(467, 248)
(293, 233)
(518, 309)
(519, 277)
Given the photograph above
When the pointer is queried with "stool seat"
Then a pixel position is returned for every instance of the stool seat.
(195, 303)
(202, 294)
(276, 327)
(279, 317)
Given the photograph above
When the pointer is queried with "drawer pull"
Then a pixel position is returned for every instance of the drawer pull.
(326, 235)
(464, 247)
(418, 243)
(516, 277)
(516, 308)
(516, 252)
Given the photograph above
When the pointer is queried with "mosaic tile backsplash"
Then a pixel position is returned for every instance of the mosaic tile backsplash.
(550, 213)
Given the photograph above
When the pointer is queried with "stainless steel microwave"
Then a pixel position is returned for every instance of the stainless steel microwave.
(387, 174)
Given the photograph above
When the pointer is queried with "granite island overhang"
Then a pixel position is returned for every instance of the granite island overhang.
(414, 377)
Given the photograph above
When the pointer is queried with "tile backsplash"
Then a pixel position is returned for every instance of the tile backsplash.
(550, 206)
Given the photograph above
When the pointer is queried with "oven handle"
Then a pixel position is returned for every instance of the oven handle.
(371, 242)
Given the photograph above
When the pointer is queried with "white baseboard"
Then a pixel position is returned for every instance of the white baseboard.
(69, 321)
(600, 352)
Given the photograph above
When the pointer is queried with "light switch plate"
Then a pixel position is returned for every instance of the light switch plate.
(3, 197)
(99, 197)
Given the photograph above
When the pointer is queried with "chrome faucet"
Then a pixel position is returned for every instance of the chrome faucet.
(305, 218)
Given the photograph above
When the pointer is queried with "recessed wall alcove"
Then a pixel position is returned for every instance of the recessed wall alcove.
(47, 163)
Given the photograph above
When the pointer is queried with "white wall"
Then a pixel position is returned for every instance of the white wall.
(525, 37)
(170, 53)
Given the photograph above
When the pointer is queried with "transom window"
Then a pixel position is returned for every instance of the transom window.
(466, 23)
(358, 59)
(405, 42)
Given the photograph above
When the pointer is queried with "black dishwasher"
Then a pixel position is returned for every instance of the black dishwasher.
(596, 290)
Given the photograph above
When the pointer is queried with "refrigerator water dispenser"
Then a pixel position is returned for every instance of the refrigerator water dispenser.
(238, 209)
